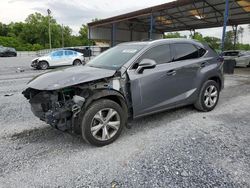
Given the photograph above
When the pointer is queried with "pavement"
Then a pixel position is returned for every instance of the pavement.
(176, 148)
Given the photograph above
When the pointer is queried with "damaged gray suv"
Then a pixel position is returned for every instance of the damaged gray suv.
(125, 82)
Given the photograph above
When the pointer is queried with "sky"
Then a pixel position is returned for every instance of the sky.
(74, 13)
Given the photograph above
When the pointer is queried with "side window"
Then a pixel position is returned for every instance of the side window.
(201, 51)
(57, 53)
(161, 54)
(68, 52)
(185, 51)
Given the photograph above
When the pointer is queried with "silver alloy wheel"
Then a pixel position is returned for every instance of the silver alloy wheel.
(77, 62)
(44, 65)
(210, 96)
(105, 124)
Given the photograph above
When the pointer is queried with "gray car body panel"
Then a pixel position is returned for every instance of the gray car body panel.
(153, 90)
(65, 77)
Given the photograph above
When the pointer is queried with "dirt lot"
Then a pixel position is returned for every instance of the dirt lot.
(178, 148)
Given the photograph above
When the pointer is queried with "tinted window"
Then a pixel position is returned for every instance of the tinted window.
(161, 54)
(185, 51)
(201, 51)
(68, 53)
(57, 53)
(234, 53)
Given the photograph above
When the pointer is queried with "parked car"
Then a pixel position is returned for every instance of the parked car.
(128, 81)
(7, 52)
(231, 54)
(58, 58)
(243, 59)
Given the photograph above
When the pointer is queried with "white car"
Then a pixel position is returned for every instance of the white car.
(58, 58)
(243, 59)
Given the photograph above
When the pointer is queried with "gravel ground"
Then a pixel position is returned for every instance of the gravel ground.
(178, 148)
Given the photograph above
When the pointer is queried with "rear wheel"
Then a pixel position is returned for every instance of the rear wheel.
(77, 62)
(103, 122)
(208, 97)
(43, 65)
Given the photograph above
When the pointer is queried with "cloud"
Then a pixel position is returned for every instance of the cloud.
(74, 13)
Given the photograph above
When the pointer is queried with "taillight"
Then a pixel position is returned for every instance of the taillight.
(221, 59)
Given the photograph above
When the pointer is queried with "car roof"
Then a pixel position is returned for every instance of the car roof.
(233, 51)
(163, 41)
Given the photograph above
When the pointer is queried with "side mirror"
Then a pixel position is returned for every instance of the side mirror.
(145, 64)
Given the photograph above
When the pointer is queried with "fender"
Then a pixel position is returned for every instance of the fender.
(107, 93)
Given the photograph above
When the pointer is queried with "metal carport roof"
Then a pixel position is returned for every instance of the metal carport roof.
(174, 16)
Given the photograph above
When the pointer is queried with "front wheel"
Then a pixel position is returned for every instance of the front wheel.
(77, 62)
(43, 65)
(208, 96)
(103, 122)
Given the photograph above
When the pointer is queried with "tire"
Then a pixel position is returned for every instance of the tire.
(208, 96)
(96, 118)
(77, 62)
(43, 65)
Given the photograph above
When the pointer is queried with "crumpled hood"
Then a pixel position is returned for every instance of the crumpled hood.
(65, 77)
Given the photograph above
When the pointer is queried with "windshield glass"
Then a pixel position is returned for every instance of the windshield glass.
(115, 57)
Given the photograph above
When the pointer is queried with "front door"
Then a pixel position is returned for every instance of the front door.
(164, 86)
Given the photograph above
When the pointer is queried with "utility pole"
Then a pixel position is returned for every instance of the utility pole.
(49, 12)
(62, 37)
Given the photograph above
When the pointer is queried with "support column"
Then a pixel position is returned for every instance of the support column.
(192, 32)
(151, 27)
(235, 29)
(131, 31)
(225, 25)
(89, 35)
(113, 33)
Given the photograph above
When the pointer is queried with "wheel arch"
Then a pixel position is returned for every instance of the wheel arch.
(107, 94)
(43, 60)
(76, 59)
(218, 80)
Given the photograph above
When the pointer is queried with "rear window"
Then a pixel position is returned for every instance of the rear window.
(186, 51)
(231, 53)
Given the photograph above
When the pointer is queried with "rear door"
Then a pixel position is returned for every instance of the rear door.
(188, 65)
(69, 57)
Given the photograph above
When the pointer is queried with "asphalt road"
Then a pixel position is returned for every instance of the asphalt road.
(177, 148)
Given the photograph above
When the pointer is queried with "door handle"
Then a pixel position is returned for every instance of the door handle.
(203, 64)
(171, 73)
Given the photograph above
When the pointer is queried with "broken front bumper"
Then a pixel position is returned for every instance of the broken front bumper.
(34, 63)
(56, 108)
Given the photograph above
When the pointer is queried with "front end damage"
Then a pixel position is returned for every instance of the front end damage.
(63, 108)
(58, 108)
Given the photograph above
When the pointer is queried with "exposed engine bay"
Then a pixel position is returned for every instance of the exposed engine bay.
(61, 108)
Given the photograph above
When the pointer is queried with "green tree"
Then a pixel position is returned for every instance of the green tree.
(240, 34)
(198, 36)
(229, 39)
(83, 36)
(174, 35)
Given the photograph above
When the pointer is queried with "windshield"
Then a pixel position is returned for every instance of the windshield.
(115, 57)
